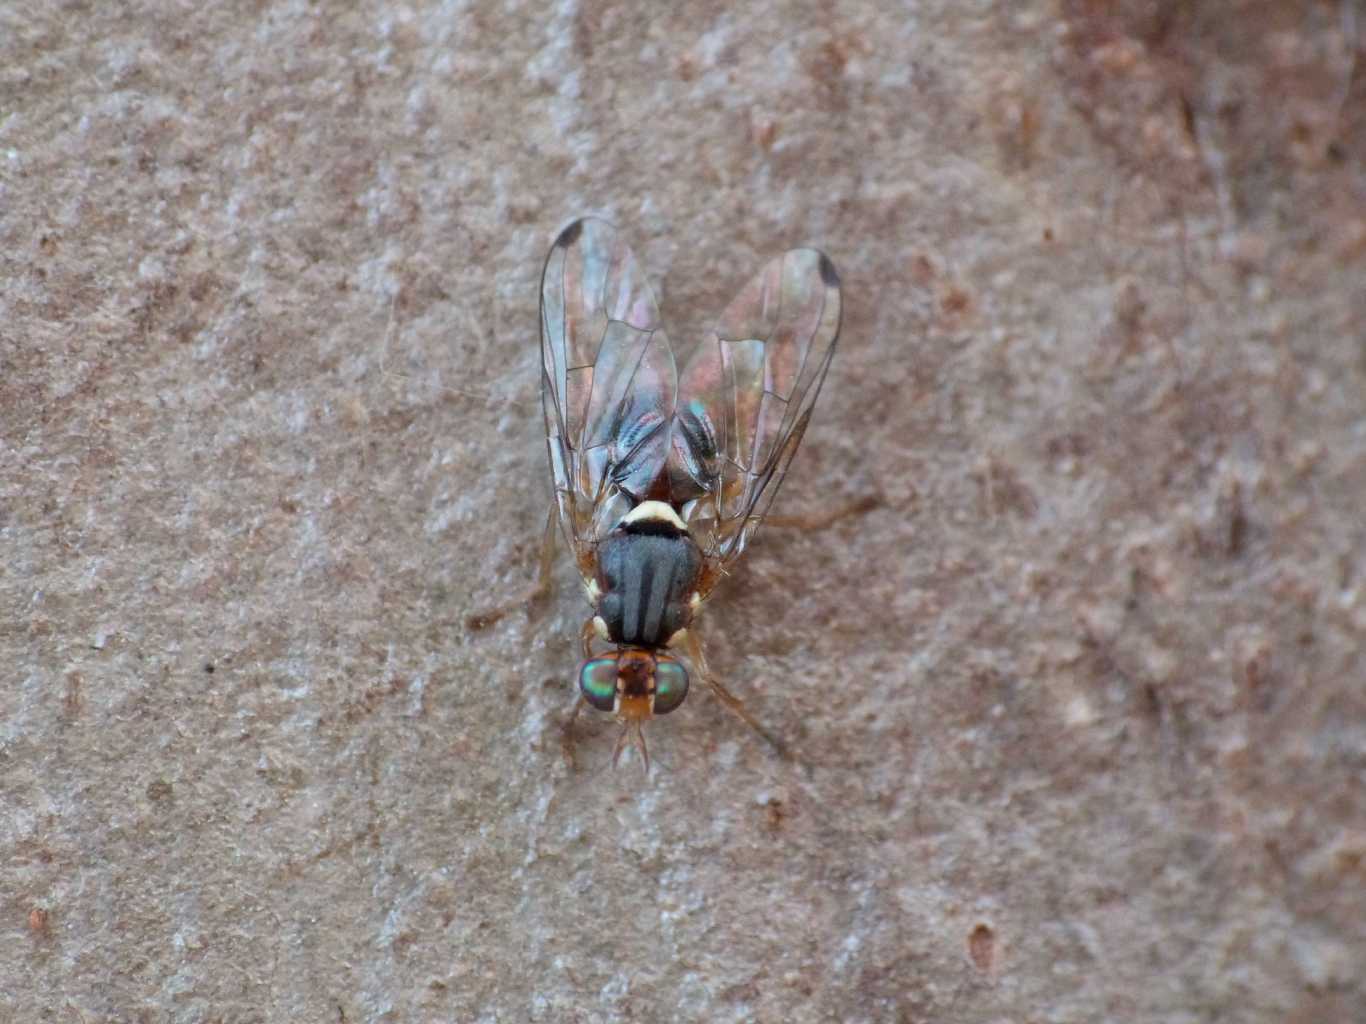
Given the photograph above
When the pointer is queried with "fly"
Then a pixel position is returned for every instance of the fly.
(661, 476)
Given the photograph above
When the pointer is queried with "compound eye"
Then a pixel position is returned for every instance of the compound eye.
(671, 686)
(598, 683)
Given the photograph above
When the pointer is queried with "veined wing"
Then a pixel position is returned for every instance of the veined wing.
(608, 380)
(746, 395)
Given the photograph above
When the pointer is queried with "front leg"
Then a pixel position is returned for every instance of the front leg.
(692, 644)
(586, 636)
(567, 737)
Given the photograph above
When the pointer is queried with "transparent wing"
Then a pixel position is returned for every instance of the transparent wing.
(746, 395)
(607, 380)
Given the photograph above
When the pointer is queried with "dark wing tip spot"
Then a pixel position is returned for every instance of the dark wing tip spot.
(570, 235)
(828, 274)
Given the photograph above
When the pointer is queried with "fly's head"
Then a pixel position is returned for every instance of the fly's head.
(635, 684)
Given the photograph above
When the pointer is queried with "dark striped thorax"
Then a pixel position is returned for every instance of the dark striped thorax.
(648, 570)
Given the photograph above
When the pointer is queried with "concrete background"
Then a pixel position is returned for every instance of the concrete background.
(1082, 705)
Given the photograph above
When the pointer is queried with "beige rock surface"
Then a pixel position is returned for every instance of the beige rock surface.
(1082, 705)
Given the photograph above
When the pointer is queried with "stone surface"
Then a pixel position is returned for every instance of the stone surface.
(1081, 708)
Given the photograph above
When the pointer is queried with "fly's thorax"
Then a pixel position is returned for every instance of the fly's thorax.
(648, 570)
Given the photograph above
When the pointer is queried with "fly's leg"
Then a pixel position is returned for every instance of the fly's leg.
(586, 636)
(693, 645)
(567, 737)
(736, 706)
(544, 580)
(857, 507)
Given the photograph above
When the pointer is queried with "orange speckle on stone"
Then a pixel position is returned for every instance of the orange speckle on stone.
(39, 922)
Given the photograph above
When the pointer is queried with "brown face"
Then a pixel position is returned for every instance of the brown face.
(633, 682)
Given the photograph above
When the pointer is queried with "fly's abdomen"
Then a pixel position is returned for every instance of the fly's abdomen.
(647, 571)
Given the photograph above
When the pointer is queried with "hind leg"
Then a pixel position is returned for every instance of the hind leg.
(857, 507)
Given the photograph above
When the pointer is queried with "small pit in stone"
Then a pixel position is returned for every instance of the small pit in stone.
(982, 947)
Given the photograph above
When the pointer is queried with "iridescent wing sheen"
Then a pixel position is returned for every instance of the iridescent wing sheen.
(746, 395)
(607, 380)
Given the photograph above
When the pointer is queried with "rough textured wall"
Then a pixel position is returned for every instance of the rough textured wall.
(1080, 708)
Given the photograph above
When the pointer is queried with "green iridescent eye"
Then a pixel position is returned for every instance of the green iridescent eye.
(671, 686)
(598, 683)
